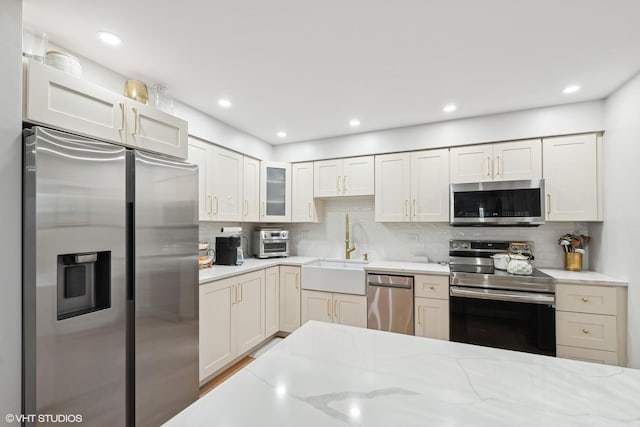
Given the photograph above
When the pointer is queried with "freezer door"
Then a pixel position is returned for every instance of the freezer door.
(74, 277)
(166, 287)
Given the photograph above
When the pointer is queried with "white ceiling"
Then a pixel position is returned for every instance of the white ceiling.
(308, 67)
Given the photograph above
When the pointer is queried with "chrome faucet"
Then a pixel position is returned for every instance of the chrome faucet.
(347, 243)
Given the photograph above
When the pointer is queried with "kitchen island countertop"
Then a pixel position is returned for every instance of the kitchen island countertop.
(332, 375)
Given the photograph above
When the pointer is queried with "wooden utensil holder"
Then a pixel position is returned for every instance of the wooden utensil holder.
(573, 261)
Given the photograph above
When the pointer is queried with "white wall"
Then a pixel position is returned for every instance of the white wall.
(200, 125)
(558, 120)
(10, 208)
(615, 250)
(419, 242)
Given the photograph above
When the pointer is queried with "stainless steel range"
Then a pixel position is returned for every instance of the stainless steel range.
(493, 308)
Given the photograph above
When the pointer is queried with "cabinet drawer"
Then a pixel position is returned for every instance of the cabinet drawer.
(595, 331)
(586, 299)
(587, 355)
(432, 286)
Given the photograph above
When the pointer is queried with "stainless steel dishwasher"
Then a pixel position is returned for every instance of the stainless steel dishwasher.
(390, 303)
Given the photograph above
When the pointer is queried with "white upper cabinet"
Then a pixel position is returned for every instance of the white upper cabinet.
(497, 162)
(572, 179)
(275, 192)
(251, 190)
(219, 180)
(303, 205)
(59, 99)
(344, 177)
(392, 187)
(412, 186)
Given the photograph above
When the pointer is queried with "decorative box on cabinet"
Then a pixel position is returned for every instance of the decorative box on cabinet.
(412, 186)
(352, 176)
(501, 161)
(591, 323)
(345, 309)
(432, 306)
(64, 101)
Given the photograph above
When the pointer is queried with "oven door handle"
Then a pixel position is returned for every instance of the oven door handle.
(490, 294)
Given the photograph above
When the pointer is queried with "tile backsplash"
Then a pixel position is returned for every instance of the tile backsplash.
(416, 242)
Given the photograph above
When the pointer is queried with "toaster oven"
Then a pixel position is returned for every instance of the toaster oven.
(271, 243)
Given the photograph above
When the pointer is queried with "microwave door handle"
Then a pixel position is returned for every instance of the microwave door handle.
(489, 294)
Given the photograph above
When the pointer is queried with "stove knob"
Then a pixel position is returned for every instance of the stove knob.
(465, 246)
(454, 245)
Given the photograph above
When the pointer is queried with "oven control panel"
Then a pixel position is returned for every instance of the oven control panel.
(492, 246)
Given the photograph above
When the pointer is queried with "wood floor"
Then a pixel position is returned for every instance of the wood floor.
(225, 375)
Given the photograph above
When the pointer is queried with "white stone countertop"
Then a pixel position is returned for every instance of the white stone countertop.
(407, 267)
(582, 277)
(329, 375)
(218, 272)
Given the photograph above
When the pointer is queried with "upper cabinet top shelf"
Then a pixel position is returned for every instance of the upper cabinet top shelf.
(61, 100)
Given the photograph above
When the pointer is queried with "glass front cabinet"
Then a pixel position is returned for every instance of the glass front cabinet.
(275, 192)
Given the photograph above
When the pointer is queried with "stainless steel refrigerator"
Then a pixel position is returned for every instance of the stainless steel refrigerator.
(110, 286)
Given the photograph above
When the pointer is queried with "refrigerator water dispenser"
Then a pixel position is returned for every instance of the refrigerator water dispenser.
(84, 283)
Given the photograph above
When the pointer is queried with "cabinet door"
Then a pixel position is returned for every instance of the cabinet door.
(571, 178)
(303, 206)
(357, 176)
(64, 101)
(217, 342)
(517, 160)
(430, 186)
(226, 185)
(272, 301)
(250, 311)
(350, 310)
(472, 163)
(155, 130)
(289, 298)
(275, 192)
(327, 178)
(251, 190)
(200, 155)
(316, 306)
(432, 318)
(392, 183)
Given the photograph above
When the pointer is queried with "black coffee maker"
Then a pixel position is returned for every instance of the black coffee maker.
(227, 250)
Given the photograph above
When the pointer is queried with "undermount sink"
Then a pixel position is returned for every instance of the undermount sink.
(335, 275)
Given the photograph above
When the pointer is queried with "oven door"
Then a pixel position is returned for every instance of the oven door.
(512, 320)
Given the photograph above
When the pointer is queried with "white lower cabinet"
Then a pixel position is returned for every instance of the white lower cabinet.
(232, 319)
(289, 298)
(591, 323)
(344, 309)
(432, 306)
(272, 300)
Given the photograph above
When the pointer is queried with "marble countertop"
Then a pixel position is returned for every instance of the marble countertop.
(218, 272)
(582, 277)
(332, 375)
(408, 267)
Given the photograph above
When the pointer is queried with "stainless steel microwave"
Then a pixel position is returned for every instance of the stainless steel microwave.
(498, 203)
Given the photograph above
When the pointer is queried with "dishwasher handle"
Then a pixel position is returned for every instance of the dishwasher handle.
(389, 281)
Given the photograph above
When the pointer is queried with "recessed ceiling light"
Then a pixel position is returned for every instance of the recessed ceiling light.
(571, 89)
(224, 103)
(109, 38)
(282, 134)
(354, 123)
(449, 108)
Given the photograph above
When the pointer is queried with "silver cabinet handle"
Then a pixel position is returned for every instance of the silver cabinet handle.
(338, 183)
(489, 166)
(344, 184)
(216, 211)
(122, 118)
(497, 165)
(406, 208)
(210, 204)
(310, 213)
(415, 210)
(419, 315)
(135, 120)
